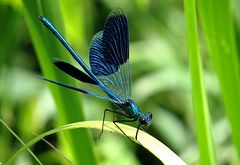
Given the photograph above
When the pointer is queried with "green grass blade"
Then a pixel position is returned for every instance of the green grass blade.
(58, 151)
(157, 148)
(79, 29)
(217, 23)
(201, 111)
(20, 140)
(77, 143)
(8, 30)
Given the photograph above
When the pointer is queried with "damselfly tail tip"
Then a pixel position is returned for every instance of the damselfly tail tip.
(39, 77)
(42, 18)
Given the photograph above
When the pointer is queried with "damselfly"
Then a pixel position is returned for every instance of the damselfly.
(109, 68)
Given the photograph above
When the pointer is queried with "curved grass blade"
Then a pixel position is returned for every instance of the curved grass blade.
(161, 151)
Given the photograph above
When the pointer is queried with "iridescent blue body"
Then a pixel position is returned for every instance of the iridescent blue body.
(109, 67)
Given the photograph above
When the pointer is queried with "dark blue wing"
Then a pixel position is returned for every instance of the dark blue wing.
(74, 72)
(116, 38)
(97, 62)
(78, 89)
(109, 53)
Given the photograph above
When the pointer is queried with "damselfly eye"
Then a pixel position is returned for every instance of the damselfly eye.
(146, 119)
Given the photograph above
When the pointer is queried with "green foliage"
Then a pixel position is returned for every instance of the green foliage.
(202, 118)
(218, 27)
(81, 153)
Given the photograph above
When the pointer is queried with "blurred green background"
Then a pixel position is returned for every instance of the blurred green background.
(161, 82)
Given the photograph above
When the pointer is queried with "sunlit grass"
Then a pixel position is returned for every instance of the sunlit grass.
(162, 152)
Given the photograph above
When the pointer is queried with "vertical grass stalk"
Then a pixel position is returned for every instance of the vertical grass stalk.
(77, 144)
(218, 27)
(200, 105)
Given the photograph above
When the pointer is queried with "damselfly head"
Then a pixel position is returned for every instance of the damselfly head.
(145, 119)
